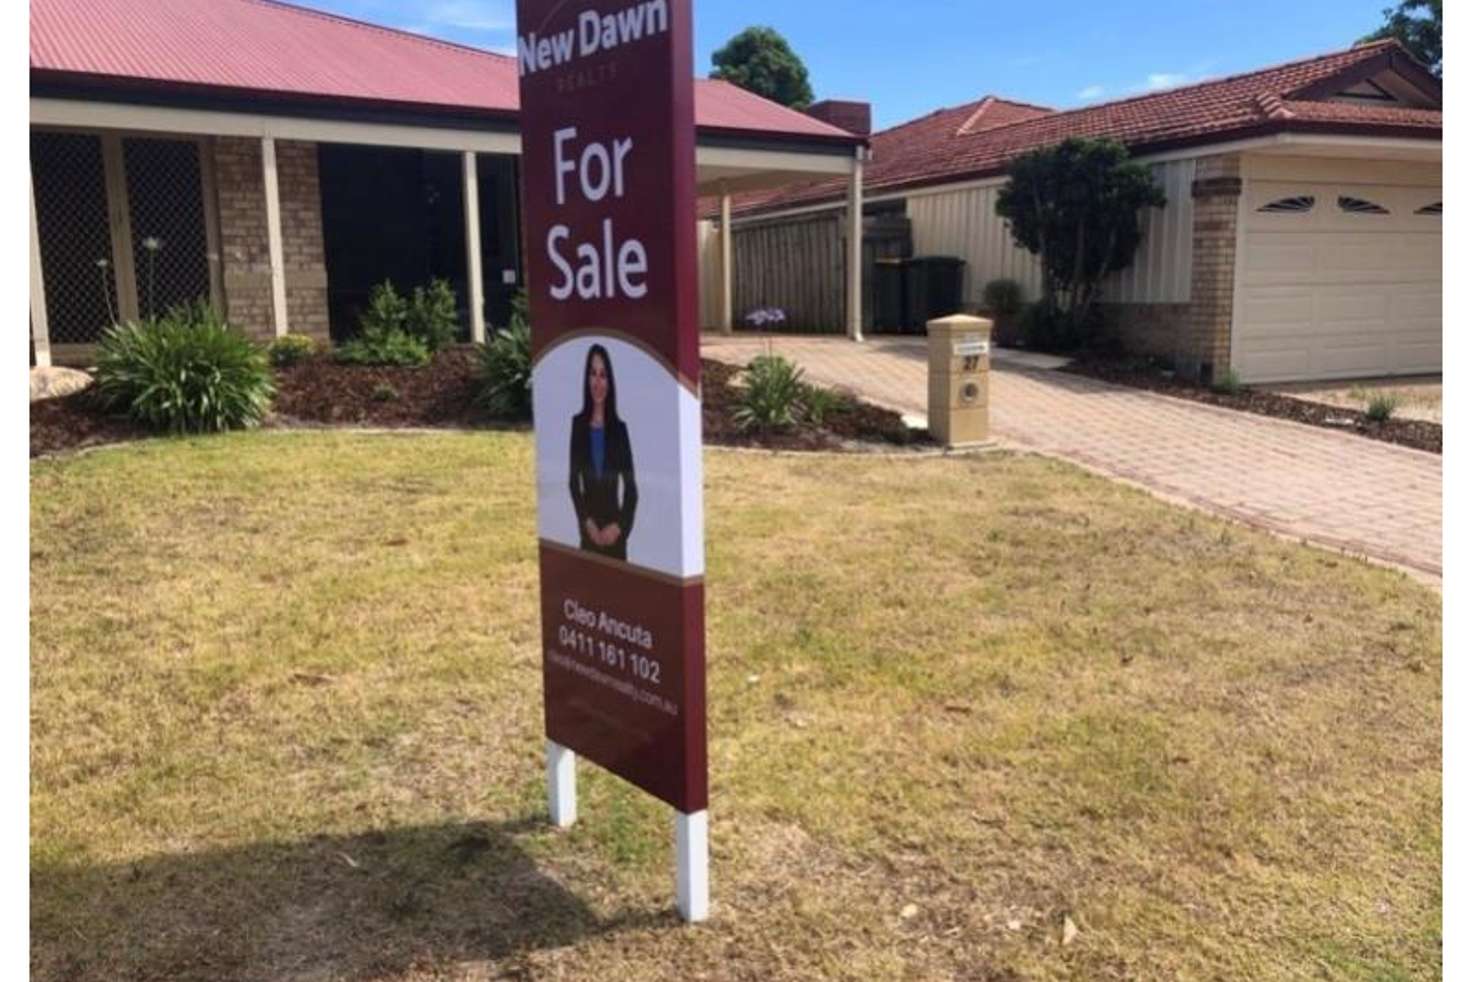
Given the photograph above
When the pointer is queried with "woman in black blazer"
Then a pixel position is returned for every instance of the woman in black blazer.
(600, 461)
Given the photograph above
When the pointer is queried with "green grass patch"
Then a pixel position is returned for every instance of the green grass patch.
(286, 722)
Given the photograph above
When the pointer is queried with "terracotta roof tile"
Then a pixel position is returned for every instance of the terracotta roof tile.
(959, 143)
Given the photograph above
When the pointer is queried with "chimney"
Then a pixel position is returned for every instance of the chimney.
(843, 113)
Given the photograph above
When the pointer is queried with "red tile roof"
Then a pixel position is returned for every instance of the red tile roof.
(981, 138)
(267, 49)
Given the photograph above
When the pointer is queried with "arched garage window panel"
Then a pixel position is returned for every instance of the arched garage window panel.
(1297, 203)
(1432, 209)
(1359, 206)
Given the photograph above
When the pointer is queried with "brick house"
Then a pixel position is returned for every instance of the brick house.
(1302, 234)
(280, 161)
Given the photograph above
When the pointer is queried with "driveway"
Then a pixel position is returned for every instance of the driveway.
(1339, 490)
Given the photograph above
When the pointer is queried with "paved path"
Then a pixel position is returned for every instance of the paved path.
(1337, 489)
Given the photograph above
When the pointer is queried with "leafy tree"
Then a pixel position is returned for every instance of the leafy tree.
(1076, 206)
(761, 61)
(1417, 25)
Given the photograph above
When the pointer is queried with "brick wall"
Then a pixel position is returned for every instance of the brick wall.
(1149, 328)
(1207, 343)
(240, 192)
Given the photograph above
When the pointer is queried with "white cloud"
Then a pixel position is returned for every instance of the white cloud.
(1156, 81)
(1091, 92)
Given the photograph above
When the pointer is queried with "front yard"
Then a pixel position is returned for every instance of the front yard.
(286, 723)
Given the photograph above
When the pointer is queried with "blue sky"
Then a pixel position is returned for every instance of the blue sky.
(912, 56)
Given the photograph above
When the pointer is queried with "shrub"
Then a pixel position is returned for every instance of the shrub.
(1045, 329)
(387, 311)
(506, 367)
(1078, 207)
(383, 392)
(1002, 297)
(431, 315)
(1230, 383)
(819, 403)
(184, 372)
(772, 397)
(1382, 407)
(384, 347)
(290, 349)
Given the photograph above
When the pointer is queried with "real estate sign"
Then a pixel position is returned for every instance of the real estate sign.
(608, 184)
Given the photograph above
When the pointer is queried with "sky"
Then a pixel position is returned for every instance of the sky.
(911, 57)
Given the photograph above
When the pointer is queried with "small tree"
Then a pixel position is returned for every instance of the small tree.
(1076, 206)
(760, 60)
(1417, 25)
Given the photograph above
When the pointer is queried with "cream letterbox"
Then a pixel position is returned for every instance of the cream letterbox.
(960, 362)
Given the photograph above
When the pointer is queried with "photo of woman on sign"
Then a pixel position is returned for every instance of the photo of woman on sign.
(602, 463)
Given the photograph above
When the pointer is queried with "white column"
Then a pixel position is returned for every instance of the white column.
(692, 865)
(727, 301)
(273, 235)
(40, 329)
(856, 248)
(562, 785)
(474, 276)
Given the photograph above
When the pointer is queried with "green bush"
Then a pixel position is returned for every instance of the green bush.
(290, 349)
(184, 372)
(428, 314)
(432, 316)
(772, 396)
(1002, 297)
(506, 367)
(1230, 383)
(387, 311)
(1382, 407)
(819, 403)
(378, 346)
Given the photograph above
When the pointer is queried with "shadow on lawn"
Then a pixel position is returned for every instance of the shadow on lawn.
(329, 907)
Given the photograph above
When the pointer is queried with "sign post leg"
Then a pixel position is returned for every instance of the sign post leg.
(562, 784)
(692, 865)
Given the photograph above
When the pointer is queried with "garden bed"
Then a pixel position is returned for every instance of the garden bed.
(1414, 433)
(321, 392)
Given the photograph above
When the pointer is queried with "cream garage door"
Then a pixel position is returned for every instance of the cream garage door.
(1338, 281)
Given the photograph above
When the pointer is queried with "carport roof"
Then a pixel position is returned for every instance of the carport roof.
(266, 50)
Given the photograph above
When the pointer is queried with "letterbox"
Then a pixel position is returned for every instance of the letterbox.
(960, 362)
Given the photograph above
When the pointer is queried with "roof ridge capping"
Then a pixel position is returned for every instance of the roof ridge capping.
(332, 15)
(1369, 49)
(969, 126)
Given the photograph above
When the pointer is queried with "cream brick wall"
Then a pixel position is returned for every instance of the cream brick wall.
(240, 193)
(1206, 346)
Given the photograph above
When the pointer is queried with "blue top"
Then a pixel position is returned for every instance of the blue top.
(597, 433)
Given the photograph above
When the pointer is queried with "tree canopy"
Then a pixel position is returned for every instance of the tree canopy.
(1417, 25)
(760, 60)
(1076, 206)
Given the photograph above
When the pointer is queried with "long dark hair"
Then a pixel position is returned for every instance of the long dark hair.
(610, 405)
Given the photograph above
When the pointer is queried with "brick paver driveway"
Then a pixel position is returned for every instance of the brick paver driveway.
(1336, 489)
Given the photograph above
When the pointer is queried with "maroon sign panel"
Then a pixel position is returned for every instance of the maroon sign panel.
(608, 186)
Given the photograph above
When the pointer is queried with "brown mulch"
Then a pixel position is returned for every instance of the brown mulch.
(322, 392)
(72, 422)
(847, 428)
(1414, 433)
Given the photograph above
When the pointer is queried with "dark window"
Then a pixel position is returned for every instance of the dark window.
(1359, 206)
(1299, 203)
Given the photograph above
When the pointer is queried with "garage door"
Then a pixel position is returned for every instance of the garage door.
(1338, 281)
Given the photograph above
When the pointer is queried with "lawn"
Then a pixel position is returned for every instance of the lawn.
(285, 723)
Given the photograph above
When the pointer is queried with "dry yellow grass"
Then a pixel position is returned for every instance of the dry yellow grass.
(286, 724)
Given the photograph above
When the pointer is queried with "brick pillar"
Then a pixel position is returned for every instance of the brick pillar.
(245, 253)
(1205, 348)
